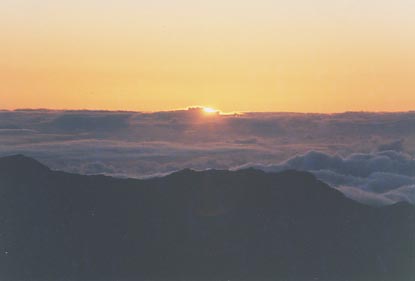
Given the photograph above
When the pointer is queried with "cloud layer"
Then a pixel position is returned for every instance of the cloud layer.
(376, 178)
(368, 156)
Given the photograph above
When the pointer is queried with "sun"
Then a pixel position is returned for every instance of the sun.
(209, 110)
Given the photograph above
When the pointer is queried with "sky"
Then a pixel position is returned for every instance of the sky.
(263, 55)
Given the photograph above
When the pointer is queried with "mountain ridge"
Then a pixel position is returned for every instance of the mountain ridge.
(199, 225)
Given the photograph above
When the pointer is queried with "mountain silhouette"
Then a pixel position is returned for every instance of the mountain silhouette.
(208, 225)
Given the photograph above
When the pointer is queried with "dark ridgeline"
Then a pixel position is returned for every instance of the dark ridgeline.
(211, 225)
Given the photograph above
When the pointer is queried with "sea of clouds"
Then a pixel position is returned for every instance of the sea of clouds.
(367, 156)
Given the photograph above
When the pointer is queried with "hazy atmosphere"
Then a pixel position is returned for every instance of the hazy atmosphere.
(301, 56)
(366, 155)
(173, 140)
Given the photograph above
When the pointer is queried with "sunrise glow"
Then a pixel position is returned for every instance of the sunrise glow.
(209, 110)
(302, 56)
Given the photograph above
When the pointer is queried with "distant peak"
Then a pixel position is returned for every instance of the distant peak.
(15, 156)
(20, 162)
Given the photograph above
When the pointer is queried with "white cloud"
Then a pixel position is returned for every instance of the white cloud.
(370, 152)
(372, 177)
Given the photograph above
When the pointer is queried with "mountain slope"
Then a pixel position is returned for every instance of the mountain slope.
(211, 225)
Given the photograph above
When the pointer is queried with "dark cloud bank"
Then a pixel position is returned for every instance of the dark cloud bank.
(367, 156)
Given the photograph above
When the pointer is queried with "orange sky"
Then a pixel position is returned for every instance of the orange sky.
(312, 56)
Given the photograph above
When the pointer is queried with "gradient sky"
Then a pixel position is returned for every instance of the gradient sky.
(263, 55)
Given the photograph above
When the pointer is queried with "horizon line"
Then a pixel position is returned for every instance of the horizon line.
(201, 107)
